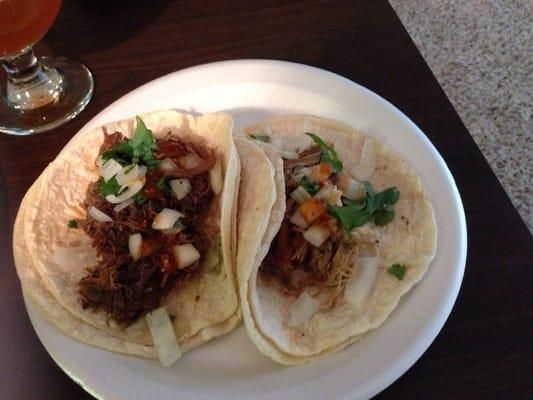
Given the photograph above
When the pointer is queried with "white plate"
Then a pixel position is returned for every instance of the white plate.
(231, 367)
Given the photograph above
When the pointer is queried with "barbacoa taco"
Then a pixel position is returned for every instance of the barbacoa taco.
(340, 230)
(127, 239)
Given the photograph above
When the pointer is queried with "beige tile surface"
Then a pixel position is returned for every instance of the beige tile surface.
(481, 52)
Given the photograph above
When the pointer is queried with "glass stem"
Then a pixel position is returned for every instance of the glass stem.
(30, 84)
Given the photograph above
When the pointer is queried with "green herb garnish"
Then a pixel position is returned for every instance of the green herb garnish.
(139, 198)
(310, 186)
(327, 154)
(397, 270)
(162, 185)
(108, 187)
(261, 138)
(378, 206)
(137, 150)
(72, 223)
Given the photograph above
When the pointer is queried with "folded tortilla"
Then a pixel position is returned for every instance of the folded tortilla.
(52, 258)
(410, 238)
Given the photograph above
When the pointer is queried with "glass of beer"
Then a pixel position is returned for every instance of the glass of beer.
(39, 95)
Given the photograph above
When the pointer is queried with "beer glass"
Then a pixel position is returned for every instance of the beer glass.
(38, 95)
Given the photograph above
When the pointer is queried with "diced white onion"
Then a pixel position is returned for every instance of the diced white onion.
(317, 234)
(132, 174)
(215, 178)
(163, 336)
(178, 227)
(302, 310)
(330, 194)
(298, 220)
(180, 187)
(99, 215)
(109, 169)
(190, 161)
(167, 165)
(300, 195)
(289, 155)
(166, 219)
(360, 284)
(128, 191)
(351, 188)
(185, 255)
(367, 162)
(123, 205)
(134, 244)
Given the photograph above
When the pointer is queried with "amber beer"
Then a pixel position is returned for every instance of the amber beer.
(24, 22)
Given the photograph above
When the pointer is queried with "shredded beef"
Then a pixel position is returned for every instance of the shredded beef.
(127, 289)
(292, 263)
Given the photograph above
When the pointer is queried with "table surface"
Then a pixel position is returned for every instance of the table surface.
(485, 347)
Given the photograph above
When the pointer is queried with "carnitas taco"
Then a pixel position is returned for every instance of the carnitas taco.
(341, 230)
(127, 239)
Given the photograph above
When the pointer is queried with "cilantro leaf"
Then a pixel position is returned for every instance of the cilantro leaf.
(355, 213)
(327, 153)
(108, 187)
(139, 198)
(397, 270)
(261, 138)
(72, 223)
(349, 216)
(162, 185)
(383, 217)
(310, 186)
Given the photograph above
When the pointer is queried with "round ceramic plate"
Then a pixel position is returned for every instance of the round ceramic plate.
(231, 367)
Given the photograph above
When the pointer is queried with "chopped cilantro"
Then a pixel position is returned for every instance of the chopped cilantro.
(139, 198)
(162, 185)
(310, 186)
(72, 223)
(327, 154)
(261, 138)
(397, 270)
(137, 150)
(357, 213)
(108, 187)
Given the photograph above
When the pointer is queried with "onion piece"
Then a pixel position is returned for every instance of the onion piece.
(123, 205)
(215, 178)
(166, 219)
(185, 255)
(178, 227)
(109, 169)
(190, 161)
(163, 336)
(298, 220)
(128, 174)
(134, 245)
(360, 284)
(330, 194)
(351, 188)
(317, 234)
(294, 144)
(128, 191)
(180, 187)
(99, 215)
(367, 162)
(167, 165)
(302, 310)
(300, 195)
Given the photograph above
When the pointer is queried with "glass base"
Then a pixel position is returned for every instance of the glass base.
(78, 87)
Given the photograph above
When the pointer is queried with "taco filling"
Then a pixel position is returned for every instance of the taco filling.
(153, 218)
(325, 237)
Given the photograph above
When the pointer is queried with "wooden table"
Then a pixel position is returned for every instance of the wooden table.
(483, 351)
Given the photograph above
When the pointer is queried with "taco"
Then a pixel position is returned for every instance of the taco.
(127, 239)
(349, 229)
